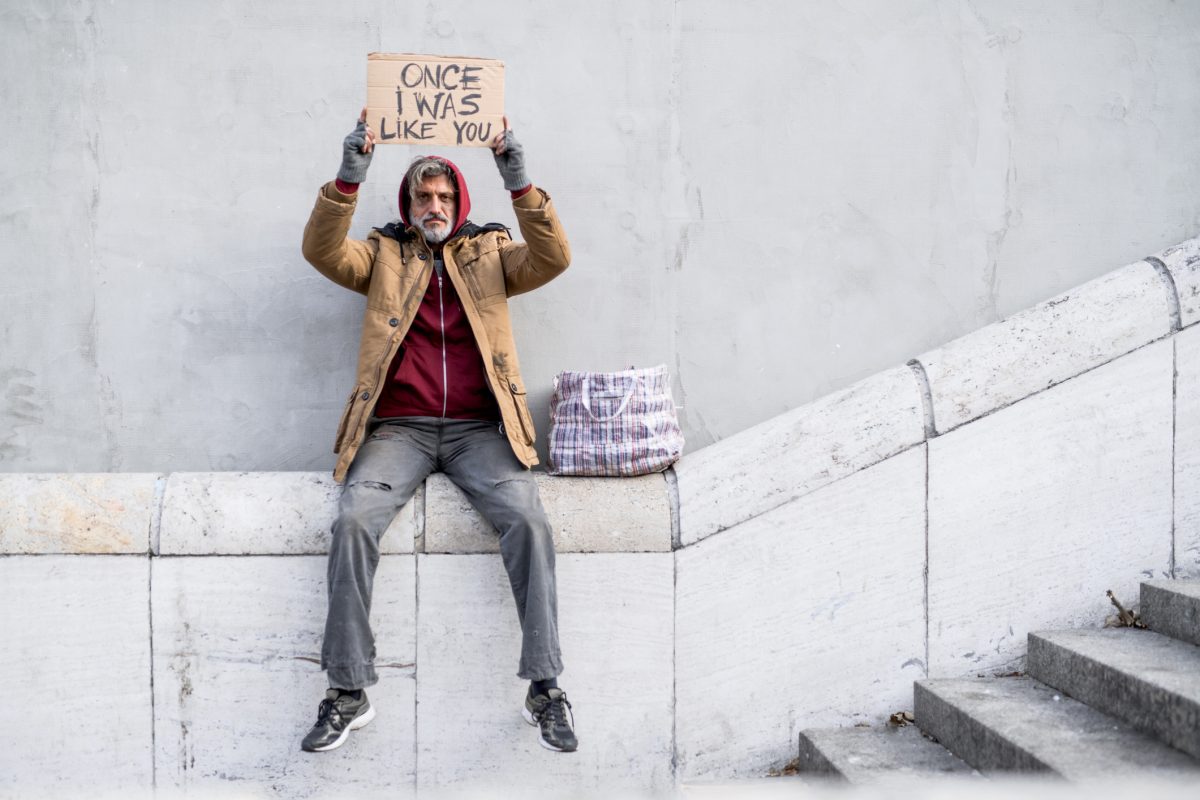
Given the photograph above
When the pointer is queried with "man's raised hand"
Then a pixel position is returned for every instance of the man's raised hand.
(357, 149)
(510, 159)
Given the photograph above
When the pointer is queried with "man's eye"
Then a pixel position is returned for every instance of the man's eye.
(423, 198)
(446, 198)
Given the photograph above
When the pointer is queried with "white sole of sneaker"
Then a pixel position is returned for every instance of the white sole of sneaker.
(528, 715)
(353, 726)
(551, 747)
(360, 722)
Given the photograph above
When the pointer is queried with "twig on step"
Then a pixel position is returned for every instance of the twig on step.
(1125, 618)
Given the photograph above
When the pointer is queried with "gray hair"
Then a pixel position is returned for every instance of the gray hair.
(422, 169)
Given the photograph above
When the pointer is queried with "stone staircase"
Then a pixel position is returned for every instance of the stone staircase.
(1094, 704)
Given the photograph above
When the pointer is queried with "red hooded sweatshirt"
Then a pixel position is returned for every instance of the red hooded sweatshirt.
(438, 371)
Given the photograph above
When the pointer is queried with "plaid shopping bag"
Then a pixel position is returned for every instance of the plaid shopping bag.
(615, 424)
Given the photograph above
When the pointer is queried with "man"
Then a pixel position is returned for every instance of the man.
(438, 388)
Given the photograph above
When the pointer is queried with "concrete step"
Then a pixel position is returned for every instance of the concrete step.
(1146, 679)
(1172, 608)
(1019, 724)
(874, 755)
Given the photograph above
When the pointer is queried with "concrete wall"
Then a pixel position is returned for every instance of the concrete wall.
(776, 202)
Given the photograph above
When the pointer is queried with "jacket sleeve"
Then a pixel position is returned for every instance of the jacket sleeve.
(544, 254)
(346, 262)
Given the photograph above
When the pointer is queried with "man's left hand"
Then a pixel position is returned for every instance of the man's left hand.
(510, 159)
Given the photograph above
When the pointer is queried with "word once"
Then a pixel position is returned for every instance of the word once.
(439, 76)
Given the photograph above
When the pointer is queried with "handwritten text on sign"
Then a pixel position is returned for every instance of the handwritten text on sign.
(437, 100)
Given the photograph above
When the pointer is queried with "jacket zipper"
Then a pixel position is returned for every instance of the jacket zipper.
(442, 324)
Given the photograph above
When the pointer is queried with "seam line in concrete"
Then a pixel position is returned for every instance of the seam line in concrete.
(416, 671)
(153, 713)
(155, 533)
(918, 371)
(1174, 428)
(925, 577)
(1172, 291)
(419, 515)
(673, 506)
(674, 667)
(674, 173)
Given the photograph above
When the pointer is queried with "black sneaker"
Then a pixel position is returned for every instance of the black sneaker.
(337, 715)
(551, 712)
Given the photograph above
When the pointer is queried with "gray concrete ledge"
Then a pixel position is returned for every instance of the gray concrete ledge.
(261, 513)
(795, 453)
(1045, 345)
(588, 515)
(77, 513)
(290, 513)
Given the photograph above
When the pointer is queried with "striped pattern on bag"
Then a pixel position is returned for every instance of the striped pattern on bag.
(614, 424)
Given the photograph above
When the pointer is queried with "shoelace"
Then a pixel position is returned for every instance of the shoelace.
(557, 711)
(328, 710)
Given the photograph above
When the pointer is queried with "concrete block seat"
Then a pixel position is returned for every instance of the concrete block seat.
(289, 513)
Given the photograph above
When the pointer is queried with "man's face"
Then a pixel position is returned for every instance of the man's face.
(434, 208)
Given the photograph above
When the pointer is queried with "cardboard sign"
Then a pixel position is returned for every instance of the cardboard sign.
(435, 100)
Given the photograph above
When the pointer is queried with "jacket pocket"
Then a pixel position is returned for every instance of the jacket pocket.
(485, 278)
(516, 389)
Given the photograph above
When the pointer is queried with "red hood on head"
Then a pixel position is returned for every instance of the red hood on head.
(460, 185)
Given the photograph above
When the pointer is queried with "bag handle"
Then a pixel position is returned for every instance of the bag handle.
(633, 382)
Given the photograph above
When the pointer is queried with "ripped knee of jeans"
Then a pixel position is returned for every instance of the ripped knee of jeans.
(383, 487)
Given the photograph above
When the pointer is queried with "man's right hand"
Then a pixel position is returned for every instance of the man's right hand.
(357, 149)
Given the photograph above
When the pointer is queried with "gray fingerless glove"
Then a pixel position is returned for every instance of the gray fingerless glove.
(354, 160)
(511, 163)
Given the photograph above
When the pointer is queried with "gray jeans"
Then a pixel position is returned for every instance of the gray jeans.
(397, 456)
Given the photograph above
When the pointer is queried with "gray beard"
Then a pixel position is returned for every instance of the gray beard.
(435, 237)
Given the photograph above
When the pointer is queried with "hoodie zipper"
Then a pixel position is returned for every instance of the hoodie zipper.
(442, 324)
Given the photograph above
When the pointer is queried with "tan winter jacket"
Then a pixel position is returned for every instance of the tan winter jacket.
(485, 269)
